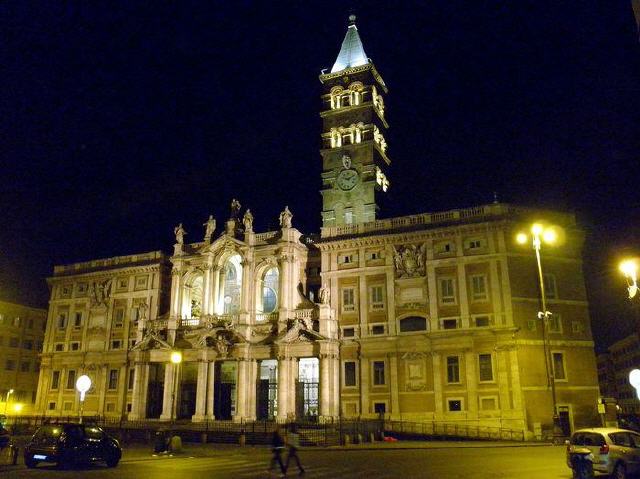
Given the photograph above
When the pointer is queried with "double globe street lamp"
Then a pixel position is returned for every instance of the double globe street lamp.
(539, 234)
(176, 359)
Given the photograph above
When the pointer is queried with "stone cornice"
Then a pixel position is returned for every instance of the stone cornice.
(106, 273)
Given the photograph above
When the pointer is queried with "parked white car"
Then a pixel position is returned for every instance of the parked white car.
(615, 451)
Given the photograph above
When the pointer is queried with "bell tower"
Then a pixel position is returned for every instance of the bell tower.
(354, 148)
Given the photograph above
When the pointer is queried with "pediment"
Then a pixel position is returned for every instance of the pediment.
(299, 334)
(223, 243)
(151, 341)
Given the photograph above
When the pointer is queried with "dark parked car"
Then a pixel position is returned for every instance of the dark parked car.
(71, 444)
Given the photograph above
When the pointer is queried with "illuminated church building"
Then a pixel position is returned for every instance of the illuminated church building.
(429, 317)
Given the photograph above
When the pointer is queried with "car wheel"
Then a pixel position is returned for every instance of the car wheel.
(620, 472)
(112, 461)
(30, 462)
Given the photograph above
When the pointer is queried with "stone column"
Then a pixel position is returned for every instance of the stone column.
(393, 375)
(365, 407)
(167, 396)
(211, 381)
(215, 289)
(176, 293)
(140, 388)
(252, 384)
(470, 359)
(242, 397)
(432, 292)
(206, 289)
(325, 385)
(463, 297)
(201, 391)
(437, 384)
(284, 364)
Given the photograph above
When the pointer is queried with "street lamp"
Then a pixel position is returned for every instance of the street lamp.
(83, 384)
(547, 234)
(176, 359)
(629, 268)
(6, 400)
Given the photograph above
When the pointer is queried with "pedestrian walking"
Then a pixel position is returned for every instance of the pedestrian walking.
(293, 443)
(277, 442)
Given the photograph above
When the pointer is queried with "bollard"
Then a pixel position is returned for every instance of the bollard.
(372, 437)
(347, 439)
(203, 437)
(175, 445)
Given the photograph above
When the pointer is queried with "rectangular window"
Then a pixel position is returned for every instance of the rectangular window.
(62, 321)
(348, 217)
(77, 320)
(132, 378)
(531, 324)
(348, 299)
(377, 329)
(550, 289)
(474, 244)
(30, 324)
(59, 347)
(447, 291)
(25, 366)
(454, 405)
(27, 344)
(67, 406)
(52, 406)
(380, 407)
(558, 366)
(377, 299)
(16, 322)
(55, 379)
(116, 344)
(14, 342)
(350, 374)
(555, 323)
(378, 373)
(113, 379)
(348, 332)
(451, 323)
(118, 317)
(111, 407)
(482, 321)
(75, 346)
(576, 327)
(478, 287)
(10, 365)
(71, 379)
(485, 367)
(453, 369)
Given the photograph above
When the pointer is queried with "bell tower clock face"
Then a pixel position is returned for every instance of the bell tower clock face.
(347, 179)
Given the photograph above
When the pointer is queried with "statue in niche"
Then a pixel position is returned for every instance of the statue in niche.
(409, 260)
(179, 231)
(325, 294)
(142, 310)
(222, 347)
(100, 292)
(285, 218)
(210, 227)
(235, 209)
(247, 220)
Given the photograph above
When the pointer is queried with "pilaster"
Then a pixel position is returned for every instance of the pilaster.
(201, 391)
(437, 384)
(462, 291)
(472, 384)
(168, 393)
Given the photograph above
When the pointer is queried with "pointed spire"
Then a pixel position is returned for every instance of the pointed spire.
(352, 52)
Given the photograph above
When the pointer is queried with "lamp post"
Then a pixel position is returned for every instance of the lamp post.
(629, 268)
(6, 400)
(549, 235)
(176, 359)
(83, 384)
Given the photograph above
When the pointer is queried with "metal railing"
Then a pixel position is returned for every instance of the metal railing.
(312, 433)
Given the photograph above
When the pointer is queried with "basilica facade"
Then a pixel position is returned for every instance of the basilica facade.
(429, 317)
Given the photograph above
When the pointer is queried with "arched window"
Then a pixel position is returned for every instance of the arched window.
(412, 324)
(230, 282)
(268, 300)
(192, 297)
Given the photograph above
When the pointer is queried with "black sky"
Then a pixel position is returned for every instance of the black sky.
(120, 119)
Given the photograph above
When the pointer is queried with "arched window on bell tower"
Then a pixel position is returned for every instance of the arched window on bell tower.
(230, 286)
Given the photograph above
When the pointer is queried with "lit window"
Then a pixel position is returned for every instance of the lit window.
(447, 291)
(71, 379)
(270, 290)
(350, 374)
(474, 244)
(378, 373)
(485, 367)
(550, 289)
(478, 287)
(377, 300)
(558, 366)
(118, 317)
(453, 369)
(113, 379)
(348, 299)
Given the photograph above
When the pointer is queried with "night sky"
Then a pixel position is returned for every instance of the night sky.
(120, 119)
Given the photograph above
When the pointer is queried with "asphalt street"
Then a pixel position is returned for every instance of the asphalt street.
(539, 462)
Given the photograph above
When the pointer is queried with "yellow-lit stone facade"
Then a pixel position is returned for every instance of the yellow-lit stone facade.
(430, 317)
(21, 339)
(438, 316)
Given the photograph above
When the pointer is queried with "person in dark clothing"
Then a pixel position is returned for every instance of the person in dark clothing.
(277, 442)
(293, 443)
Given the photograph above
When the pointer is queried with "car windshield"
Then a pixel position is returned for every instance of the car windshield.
(48, 434)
